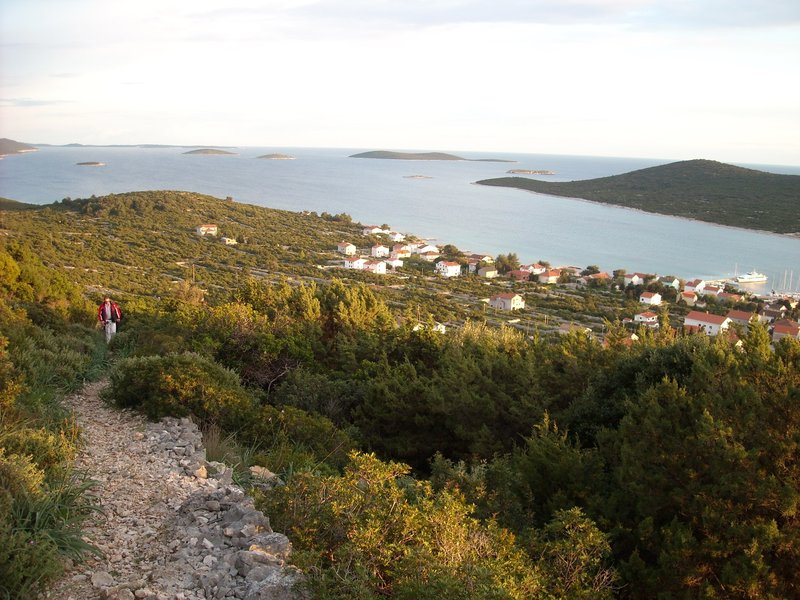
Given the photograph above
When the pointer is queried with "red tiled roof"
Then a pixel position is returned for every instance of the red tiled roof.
(647, 294)
(704, 317)
(740, 315)
(507, 296)
(647, 314)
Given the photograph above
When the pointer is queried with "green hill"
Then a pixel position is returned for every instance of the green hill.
(8, 146)
(705, 190)
(209, 151)
(8, 204)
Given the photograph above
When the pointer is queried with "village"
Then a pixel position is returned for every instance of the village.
(392, 252)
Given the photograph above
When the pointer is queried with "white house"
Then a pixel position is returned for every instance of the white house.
(207, 229)
(379, 250)
(228, 241)
(670, 281)
(651, 298)
(395, 262)
(488, 272)
(647, 318)
(354, 262)
(507, 302)
(375, 266)
(533, 269)
(550, 276)
(370, 229)
(690, 298)
(695, 285)
(396, 236)
(346, 248)
(634, 278)
(401, 251)
(447, 268)
(484, 258)
(429, 256)
(705, 322)
(711, 290)
(426, 248)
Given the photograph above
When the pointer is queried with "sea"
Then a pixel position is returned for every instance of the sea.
(436, 200)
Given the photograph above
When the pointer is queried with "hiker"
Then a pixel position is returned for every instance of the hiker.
(109, 315)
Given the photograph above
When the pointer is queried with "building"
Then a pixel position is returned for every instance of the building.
(519, 275)
(429, 256)
(396, 236)
(228, 241)
(695, 285)
(401, 251)
(711, 290)
(670, 281)
(375, 266)
(705, 322)
(207, 229)
(534, 268)
(634, 278)
(346, 248)
(447, 268)
(354, 262)
(379, 250)
(370, 229)
(488, 272)
(394, 262)
(690, 298)
(550, 276)
(785, 328)
(651, 298)
(425, 248)
(507, 302)
(741, 317)
(647, 319)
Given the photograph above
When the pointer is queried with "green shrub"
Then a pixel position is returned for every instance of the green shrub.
(289, 434)
(46, 449)
(181, 385)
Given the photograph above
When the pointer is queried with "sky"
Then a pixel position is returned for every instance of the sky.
(677, 79)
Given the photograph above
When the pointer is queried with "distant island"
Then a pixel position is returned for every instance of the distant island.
(417, 177)
(276, 157)
(209, 151)
(531, 172)
(91, 164)
(704, 190)
(8, 146)
(388, 154)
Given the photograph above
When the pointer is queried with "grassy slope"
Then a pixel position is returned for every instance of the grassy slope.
(697, 189)
(143, 236)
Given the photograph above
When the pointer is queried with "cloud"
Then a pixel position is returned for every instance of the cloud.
(30, 102)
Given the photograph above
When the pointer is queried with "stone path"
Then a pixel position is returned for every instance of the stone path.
(168, 530)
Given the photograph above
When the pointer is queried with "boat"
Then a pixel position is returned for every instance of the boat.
(752, 277)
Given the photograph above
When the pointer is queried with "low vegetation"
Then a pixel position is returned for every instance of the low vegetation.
(696, 189)
(486, 462)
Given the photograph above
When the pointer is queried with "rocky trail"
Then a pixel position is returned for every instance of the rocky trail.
(172, 526)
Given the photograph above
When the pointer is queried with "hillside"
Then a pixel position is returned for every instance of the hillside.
(696, 189)
(8, 204)
(8, 146)
(386, 154)
(148, 239)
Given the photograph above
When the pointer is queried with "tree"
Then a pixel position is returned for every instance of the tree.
(506, 262)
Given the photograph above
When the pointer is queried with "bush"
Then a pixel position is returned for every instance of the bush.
(180, 385)
(290, 435)
(47, 450)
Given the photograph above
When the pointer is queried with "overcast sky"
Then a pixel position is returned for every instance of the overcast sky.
(675, 79)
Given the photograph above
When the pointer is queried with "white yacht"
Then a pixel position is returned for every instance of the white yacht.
(752, 277)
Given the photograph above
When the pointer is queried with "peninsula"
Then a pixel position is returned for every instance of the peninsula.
(391, 155)
(8, 146)
(704, 190)
(209, 151)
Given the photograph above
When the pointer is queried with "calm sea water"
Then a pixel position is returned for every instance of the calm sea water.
(446, 206)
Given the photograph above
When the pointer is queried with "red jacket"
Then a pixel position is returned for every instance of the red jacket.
(116, 315)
